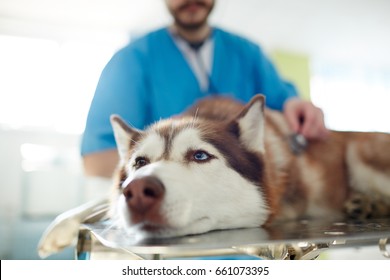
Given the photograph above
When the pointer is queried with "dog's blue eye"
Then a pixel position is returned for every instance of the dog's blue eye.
(198, 156)
(201, 156)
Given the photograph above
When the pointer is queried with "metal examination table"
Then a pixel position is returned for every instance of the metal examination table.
(304, 239)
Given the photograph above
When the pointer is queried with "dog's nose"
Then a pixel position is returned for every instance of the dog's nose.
(143, 194)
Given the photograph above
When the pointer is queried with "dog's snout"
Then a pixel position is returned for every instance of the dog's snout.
(143, 194)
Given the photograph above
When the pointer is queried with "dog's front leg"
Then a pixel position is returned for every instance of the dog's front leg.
(62, 232)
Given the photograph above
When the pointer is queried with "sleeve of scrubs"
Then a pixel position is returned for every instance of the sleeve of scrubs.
(121, 90)
(276, 90)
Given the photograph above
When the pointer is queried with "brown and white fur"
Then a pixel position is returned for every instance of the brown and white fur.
(225, 165)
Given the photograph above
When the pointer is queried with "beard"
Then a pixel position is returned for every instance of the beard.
(182, 16)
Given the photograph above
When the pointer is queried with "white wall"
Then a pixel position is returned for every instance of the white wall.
(35, 187)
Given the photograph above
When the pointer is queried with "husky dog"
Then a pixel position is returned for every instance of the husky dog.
(224, 165)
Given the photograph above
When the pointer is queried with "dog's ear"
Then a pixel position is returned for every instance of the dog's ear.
(124, 135)
(251, 124)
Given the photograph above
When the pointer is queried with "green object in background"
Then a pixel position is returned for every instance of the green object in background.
(295, 68)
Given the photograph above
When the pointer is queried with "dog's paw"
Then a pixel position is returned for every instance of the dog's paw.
(63, 231)
(59, 235)
(363, 206)
(358, 206)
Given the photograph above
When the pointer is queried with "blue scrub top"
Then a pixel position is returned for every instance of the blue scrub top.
(150, 79)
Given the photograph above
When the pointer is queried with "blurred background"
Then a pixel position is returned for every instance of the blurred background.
(52, 53)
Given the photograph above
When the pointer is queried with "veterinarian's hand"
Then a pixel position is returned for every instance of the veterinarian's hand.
(305, 118)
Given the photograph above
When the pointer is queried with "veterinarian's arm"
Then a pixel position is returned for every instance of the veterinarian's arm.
(101, 164)
(305, 118)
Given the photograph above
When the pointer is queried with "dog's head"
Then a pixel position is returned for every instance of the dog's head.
(191, 175)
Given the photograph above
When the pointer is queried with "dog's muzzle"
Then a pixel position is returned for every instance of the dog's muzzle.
(144, 197)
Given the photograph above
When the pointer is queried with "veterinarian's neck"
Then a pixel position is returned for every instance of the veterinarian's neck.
(193, 35)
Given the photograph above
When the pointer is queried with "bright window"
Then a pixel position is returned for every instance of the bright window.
(48, 85)
(353, 97)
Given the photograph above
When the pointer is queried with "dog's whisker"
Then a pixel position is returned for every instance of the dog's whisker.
(195, 118)
(115, 223)
(172, 131)
(135, 142)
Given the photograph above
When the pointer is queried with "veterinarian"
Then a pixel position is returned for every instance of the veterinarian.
(164, 72)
